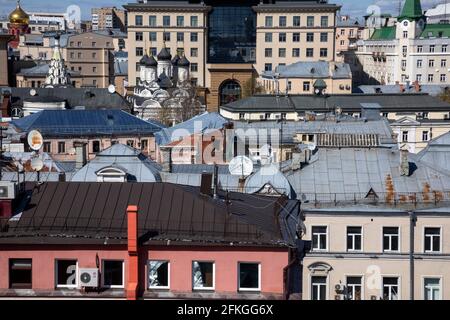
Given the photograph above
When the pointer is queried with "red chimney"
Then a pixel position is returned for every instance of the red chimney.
(133, 259)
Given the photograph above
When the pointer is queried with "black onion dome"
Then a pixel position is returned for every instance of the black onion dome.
(164, 55)
(183, 62)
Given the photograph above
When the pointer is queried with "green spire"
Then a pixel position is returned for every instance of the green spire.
(412, 10)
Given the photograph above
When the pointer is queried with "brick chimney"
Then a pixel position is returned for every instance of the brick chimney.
(416, 86)
(133, 257)
(402, 88)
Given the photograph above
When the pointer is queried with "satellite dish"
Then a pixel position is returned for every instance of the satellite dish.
(312, 146)
(111, 89)
(33, 92)
(35, 140)
(240, 166)
(37, 164)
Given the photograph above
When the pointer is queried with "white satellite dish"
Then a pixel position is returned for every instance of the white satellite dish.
(35, 140)
(37, 164)
(33, 92)
(111, 89)
(240, 166)
(312, 146)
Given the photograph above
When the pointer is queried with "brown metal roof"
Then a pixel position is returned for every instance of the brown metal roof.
(81, 212)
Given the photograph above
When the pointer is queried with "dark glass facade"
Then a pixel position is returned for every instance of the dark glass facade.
(232, 32)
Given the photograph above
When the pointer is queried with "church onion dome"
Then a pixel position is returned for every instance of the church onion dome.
(175, 60)
(18, 16)
(183, 62)
(148, 61)
(164, 55)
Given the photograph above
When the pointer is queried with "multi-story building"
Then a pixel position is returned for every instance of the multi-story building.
(4, 75)
(228, 42)
(39, 19)
(109, 18)
(411, 50)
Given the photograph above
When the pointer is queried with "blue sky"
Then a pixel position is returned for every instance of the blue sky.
(356, 8)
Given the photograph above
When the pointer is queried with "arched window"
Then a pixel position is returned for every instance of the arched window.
(229, 91)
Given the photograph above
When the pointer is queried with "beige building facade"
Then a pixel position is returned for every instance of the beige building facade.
(108, 18)
(4, 76)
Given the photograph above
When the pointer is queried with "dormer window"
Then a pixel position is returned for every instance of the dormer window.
(111, 174)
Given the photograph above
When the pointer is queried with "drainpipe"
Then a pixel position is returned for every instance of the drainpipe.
(133, 258)
(412, 225)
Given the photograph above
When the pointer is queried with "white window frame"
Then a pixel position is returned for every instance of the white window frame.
(399, 285)
(168, 275)
(399, 239)
(213, 288)
(440, 277)
(327, 286)
(440, 239)
(103, 275)
(240, 289)
(327, 237)
(362, 238)
(362, 283)
(66, 286)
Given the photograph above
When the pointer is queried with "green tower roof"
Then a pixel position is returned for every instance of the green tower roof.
(412, 10)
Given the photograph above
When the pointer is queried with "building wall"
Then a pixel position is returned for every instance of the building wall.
(334, 86)
(4, 60)
(104, 18)
(346, 38)
(371, 262)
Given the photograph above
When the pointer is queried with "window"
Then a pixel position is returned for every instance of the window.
(152, 21)
(296, 37)
(66, 276)
(432, 238)
(269, 21)
(241, 117)
(309, 52)
(47, 147)
(268, 67)
(94, 55)
(424, 135)
(282, 37)
(139, 51)
(419, 77)
(94, 82)
(354, 288)
(323, 37)
(94, 69)
(419, 49)
(249, 276)
(354, 238)
(324, 21)
(432, 288)
(390, 239)
(139, 36)
(194, 21)
(61, 147)
(180, 36)
(268, 52)
(158, 274)
(166, 36)
(405, 136)
(432, 48)
(152, 36)
(323, 52)
(310, 37)
(203, 275)
(144, 145)
(430, 78)
(318, 288)
(194, 67)
(20, 273)
(194, 36)
(282, 53)
(431, 63)
(96, 146)
(138, 20)
(403, 63)
(419, 63)
(319, 237)
(306, 86)
(405, 34)
(310, 21)
(180, 21)
(296, 52)
(296, 21)
(444, 48)
(80, 55)
(268, 37)
(443, 77)
(166, 21)
(443, 63)
(112, 274)
(194, 52)
(390, 288)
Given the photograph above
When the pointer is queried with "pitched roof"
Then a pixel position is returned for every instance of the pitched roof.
(412, 10)
(439, 30)
(316, 69)
(95, 213)
(384, 33)
(55, 123)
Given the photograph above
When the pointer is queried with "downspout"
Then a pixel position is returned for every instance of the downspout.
(133, 258)
(412, 225)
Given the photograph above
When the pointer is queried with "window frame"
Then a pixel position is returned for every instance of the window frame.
(114, 286)
(399, 286)
(424, 239)
(10, 263)
(362, 238)
(168, 275)
(66, 286)
(361, 284)
(327, 287)
(440, 277)
(399, 240)
(241, 289)
(326, 239)
(213, 288)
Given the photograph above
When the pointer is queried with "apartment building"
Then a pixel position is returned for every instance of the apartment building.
(4, 75)
(108, 18)
(411, 50)
(226, 41)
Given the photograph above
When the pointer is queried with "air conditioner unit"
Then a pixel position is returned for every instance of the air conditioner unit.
(88, 277)
(339, 288)
(8, 190)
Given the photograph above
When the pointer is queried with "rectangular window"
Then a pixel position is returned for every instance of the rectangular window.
(296, 21)
(194, 21)
(194, 52)
(194, 67)
(152, 21)
(354, 238)
(443, 77)
(405, 50)
(269, 21)
(419, 77)
(309, 52)
(443, 63)
(323, 37)
(296, 52)
(354, 288)
(138, 20)
(268, 52)
(166, 21)
(112, 274)
(390, 288)
(180, 36)
(180, 21)
(431, 63)
(249, 276)
(139, 36)
(194, 36)
(432, 288)
(405, 136)
(282, 53)
(424, 135)
(166, 36)
(319, 237)
(296, 37)
(159, 274)
(268, 67)
(47, 147)
(94, 69)
(152, 36)
(419, 49)
(153, 51)
(419, 63)
(282, 37)
(94, 55)
(430, 78)
(444, 48)
(96, 146)
(318, 288)
(405, 34)
(268, 37)
(203, 275)
(391, 239)
(61, 147)
(139, 51)
(306, 86)
(310, 37)
(66, 273)
(432, 48)
(432, 238)
(324, 21)
(20, 273)
(323, 52)
(282, 21)
(310, 21)
(144, 145)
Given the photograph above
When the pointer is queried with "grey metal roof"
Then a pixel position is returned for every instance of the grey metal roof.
(41, 69)
(437, 153)
(138, 167)
(269, 175)
(431, 89)
(313, 69)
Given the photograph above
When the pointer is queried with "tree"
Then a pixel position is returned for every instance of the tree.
(252, 87)
(445, 96)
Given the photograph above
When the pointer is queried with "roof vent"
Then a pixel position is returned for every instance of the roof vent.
(206, 183)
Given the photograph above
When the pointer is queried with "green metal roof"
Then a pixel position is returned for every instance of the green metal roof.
(436, 31)
(385, 33)
(412, 10)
